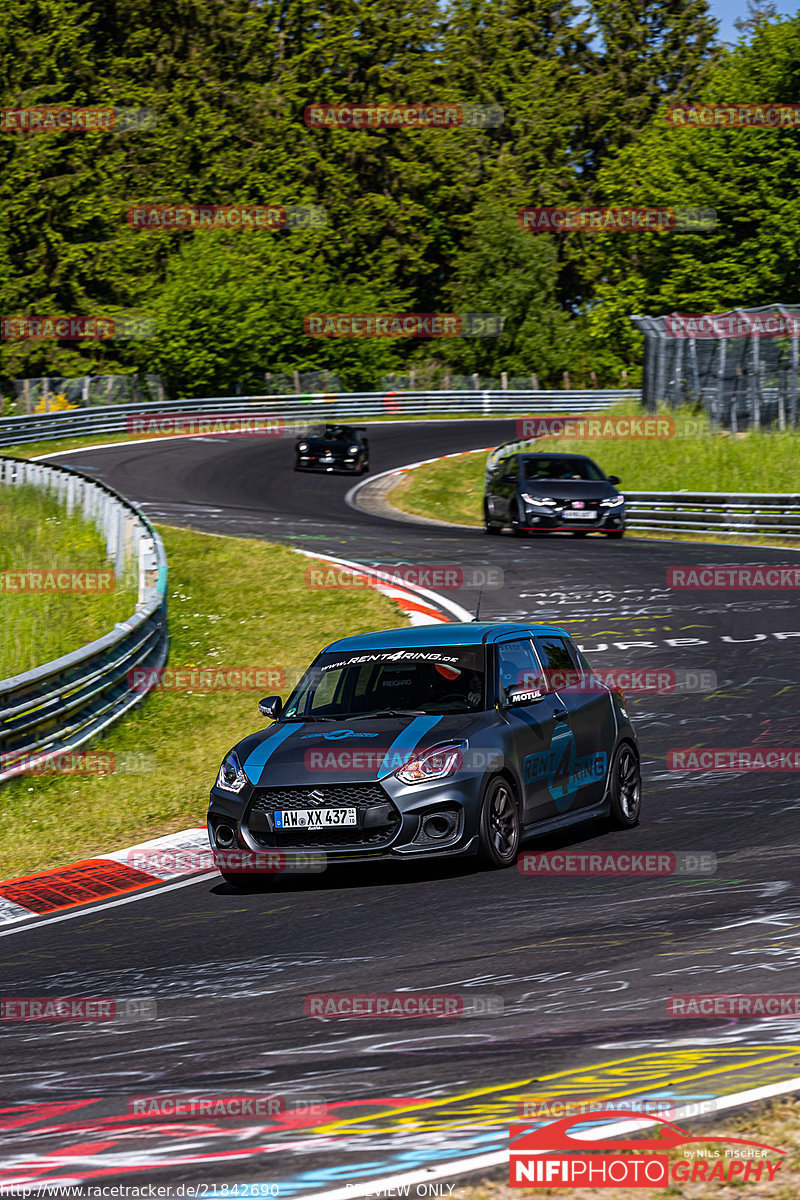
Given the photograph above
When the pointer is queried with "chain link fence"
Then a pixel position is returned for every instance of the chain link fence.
(55, 393)
(741, 366)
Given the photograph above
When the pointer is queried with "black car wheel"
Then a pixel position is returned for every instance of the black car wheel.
(625, 788)
(579, 532)
(488, 524)
(615, 533)
(499, 829)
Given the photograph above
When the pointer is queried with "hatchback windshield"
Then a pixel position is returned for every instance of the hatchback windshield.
(545, 467)
(376, 682)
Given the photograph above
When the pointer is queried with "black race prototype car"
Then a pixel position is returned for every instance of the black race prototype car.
(332, 448)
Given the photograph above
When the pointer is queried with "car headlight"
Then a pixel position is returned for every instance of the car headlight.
(353, 450)
(231, 777)
(537, 499)
(303, 446)
(435, 763)
(612, 502)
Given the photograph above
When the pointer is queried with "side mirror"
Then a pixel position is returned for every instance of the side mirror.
(615, 479)
(519, 696)
(271, 707)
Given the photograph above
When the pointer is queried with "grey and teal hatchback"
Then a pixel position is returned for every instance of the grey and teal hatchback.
(430, 742)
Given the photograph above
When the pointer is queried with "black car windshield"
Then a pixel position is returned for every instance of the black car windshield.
(547, 467)
(331, 433)
(412, 680)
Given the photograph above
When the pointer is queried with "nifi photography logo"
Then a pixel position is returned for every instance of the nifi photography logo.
(568, 1153)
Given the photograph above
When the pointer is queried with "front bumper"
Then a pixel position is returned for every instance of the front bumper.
(600, 520)
(395, 821)
(307, 463)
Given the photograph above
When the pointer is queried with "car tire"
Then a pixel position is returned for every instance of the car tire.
(489, 526)
(579, 532)
(625, 788)
(499, 825)
(615, 533)
(516, 524)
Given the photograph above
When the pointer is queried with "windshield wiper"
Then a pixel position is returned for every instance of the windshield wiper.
(389, 712)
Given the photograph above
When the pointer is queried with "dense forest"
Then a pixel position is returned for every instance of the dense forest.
(419, 220)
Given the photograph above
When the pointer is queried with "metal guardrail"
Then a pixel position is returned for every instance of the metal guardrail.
(58, 706)
(767, 514)
(311, 409)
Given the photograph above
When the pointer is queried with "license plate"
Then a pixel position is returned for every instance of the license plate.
(578, 516)
(314, 818)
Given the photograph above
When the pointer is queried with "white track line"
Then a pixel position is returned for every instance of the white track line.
(417, 593)
(483, 1162)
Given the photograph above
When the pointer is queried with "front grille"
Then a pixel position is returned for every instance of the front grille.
(336, 795)
(378, 819)
(328, 839)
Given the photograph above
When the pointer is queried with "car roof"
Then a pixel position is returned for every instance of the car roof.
(547, 454)
(459, 633)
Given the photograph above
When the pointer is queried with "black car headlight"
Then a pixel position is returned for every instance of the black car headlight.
(353, 449)
(612, 502)
(231, 777)
(435, 763)
(303, 446)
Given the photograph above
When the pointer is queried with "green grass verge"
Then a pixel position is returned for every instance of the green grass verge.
(234, 603)
(695, 459)
(37, 626)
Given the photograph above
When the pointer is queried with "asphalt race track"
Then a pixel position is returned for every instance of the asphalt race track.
(584, 965)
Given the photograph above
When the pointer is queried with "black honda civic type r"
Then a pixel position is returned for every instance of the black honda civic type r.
(427, 742)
